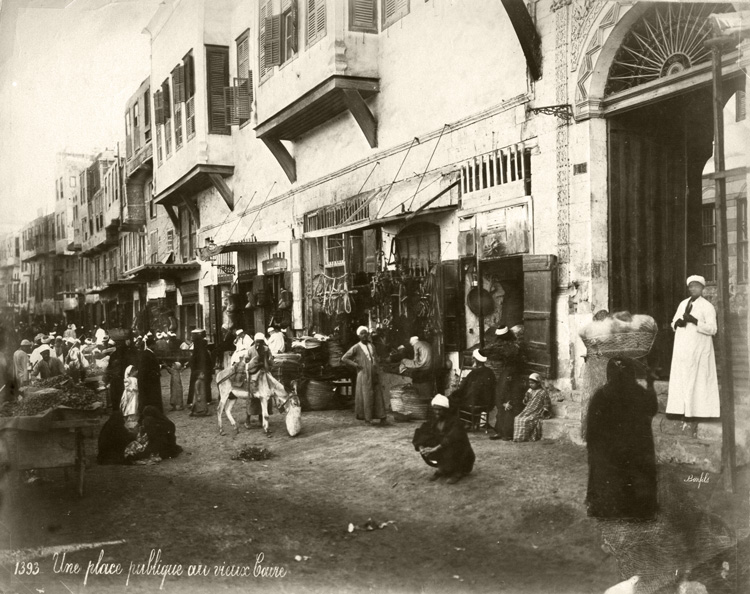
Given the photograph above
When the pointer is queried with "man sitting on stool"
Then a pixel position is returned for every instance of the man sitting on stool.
(442, 442)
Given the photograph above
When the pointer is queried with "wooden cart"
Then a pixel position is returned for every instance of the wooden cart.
(57, 443)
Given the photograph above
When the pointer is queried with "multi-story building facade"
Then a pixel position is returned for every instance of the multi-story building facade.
(10, 276)
(38, 261)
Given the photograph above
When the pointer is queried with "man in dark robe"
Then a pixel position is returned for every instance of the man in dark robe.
(201, 361)
(507, 355)
(442, 442)
(476, 393)
(622, 462)
(149, 378)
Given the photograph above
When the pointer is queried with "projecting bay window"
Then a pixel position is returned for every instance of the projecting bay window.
(217, 75)
(189, 78)
(708, 247)
(363, 16)
(178, 84)
(278, 34)
(394, 10)
(167, 118)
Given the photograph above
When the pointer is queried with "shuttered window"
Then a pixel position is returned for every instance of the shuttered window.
(188, 66)
(167, 101)
(316, 20)
(244, 78)
(265, 12)
(178, 84)
(217, 77)
(394, 10)
(363, 16)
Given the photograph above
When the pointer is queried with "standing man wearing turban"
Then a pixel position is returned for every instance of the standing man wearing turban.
(369, 399)
(693, 386)
(443, 443)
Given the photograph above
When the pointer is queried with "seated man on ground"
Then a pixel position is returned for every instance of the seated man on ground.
(443, 443)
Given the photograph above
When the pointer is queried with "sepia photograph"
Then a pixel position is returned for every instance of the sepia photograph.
(374, 296)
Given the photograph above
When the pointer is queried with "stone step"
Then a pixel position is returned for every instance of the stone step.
(681, 449)
(562, 429)
(566, 409)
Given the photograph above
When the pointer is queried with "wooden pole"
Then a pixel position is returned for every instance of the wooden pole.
(480, 283)
(728, 448)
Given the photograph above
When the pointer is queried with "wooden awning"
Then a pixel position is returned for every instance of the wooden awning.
(183, 191)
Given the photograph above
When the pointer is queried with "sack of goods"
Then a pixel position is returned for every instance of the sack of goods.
(293, 416)
(619, 335)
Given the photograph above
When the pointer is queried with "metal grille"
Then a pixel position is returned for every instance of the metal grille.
(501, 166)
(352, 210)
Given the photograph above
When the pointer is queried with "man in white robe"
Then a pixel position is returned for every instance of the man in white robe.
(242, 345)
(276, 342)
(693, 386)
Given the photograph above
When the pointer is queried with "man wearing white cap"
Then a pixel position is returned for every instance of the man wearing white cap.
(242, 345)
(369, 397)
(443, 444)
(21, 364)
(422, 361)
(275, 341)
(528, 425)
(476, 393)
(693, 385)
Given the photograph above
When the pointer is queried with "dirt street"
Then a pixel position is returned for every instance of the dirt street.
(517, 524)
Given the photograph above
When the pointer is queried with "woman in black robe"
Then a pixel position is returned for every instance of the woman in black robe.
(444, 444)
(161, 432)
(113, 438)
(622, 462)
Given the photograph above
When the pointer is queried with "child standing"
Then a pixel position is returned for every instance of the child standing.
(176, 399)
(129, 401)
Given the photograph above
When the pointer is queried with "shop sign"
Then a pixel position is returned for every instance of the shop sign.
(158, 289)
(274, 265)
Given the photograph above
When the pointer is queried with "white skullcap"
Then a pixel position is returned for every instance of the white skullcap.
(44, 349)
(441, 401)
(361, 328)
(501, 331)
(240, 331)
(413, 339)
(111, 342)
(696, 278)
(88, 341)
(479, 356)
(259, 336)
(536, 377)
(271, 329)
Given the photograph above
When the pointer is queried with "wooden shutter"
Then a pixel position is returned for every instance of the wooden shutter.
(363, 16)
(539, 284)
(189, 75)
(316, 20)
(264, 8)
(158, 108)
(393, 10)
(242, 98)
(272, 49)
(230, 108)
(178, 84)
(370, 244)
(452, 305)
(217, 76)
(243, 56)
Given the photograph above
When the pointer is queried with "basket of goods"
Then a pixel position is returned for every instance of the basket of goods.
(620, 335)
(335, 352)
(54, 393)
(318, 395)
(287, 367)
(405, 400)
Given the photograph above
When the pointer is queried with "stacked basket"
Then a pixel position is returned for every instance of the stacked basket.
(335, 352)
(406, 400)
(286, 368)
(318, 395)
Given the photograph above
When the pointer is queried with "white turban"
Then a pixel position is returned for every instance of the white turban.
(361, 328)
(478, 356)
(240, 331)
(501, 331)
(696, 278)
(271, 329)
(413, 340)
(259, 336)
(536, 377)
(44, 349)
(441, 401)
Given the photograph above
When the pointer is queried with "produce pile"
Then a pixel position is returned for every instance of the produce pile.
(619, 323)
(63, 394)
(252, 453)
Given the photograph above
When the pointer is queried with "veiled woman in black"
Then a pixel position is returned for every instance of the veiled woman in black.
(622, 462)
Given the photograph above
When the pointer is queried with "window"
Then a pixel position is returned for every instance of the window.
(189, 79)
(334, 252)
(217, 75)
(178, 84)
(243, 78)
(154, 244)
(136, 129)
(288, 32)
(363, 16)
(708, 247)
(740, 106)
(170, 240)
(742, 240)
(72, 181)
(167, 107)
(128, 135)
(316, 20)
(394, 10)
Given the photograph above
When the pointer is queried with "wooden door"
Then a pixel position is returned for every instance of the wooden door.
(539, 284)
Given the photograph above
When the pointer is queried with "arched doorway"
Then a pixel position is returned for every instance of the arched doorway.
(656, 100)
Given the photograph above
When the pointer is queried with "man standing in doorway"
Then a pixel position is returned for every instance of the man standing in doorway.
(693, 386)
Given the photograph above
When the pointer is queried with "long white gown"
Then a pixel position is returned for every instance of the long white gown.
(693, 386)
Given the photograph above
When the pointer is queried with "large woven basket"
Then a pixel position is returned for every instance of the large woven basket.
(406, 400)
(624, 344)
(319, 396)
(335, 352)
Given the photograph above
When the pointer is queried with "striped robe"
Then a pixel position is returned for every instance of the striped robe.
(527, 426)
